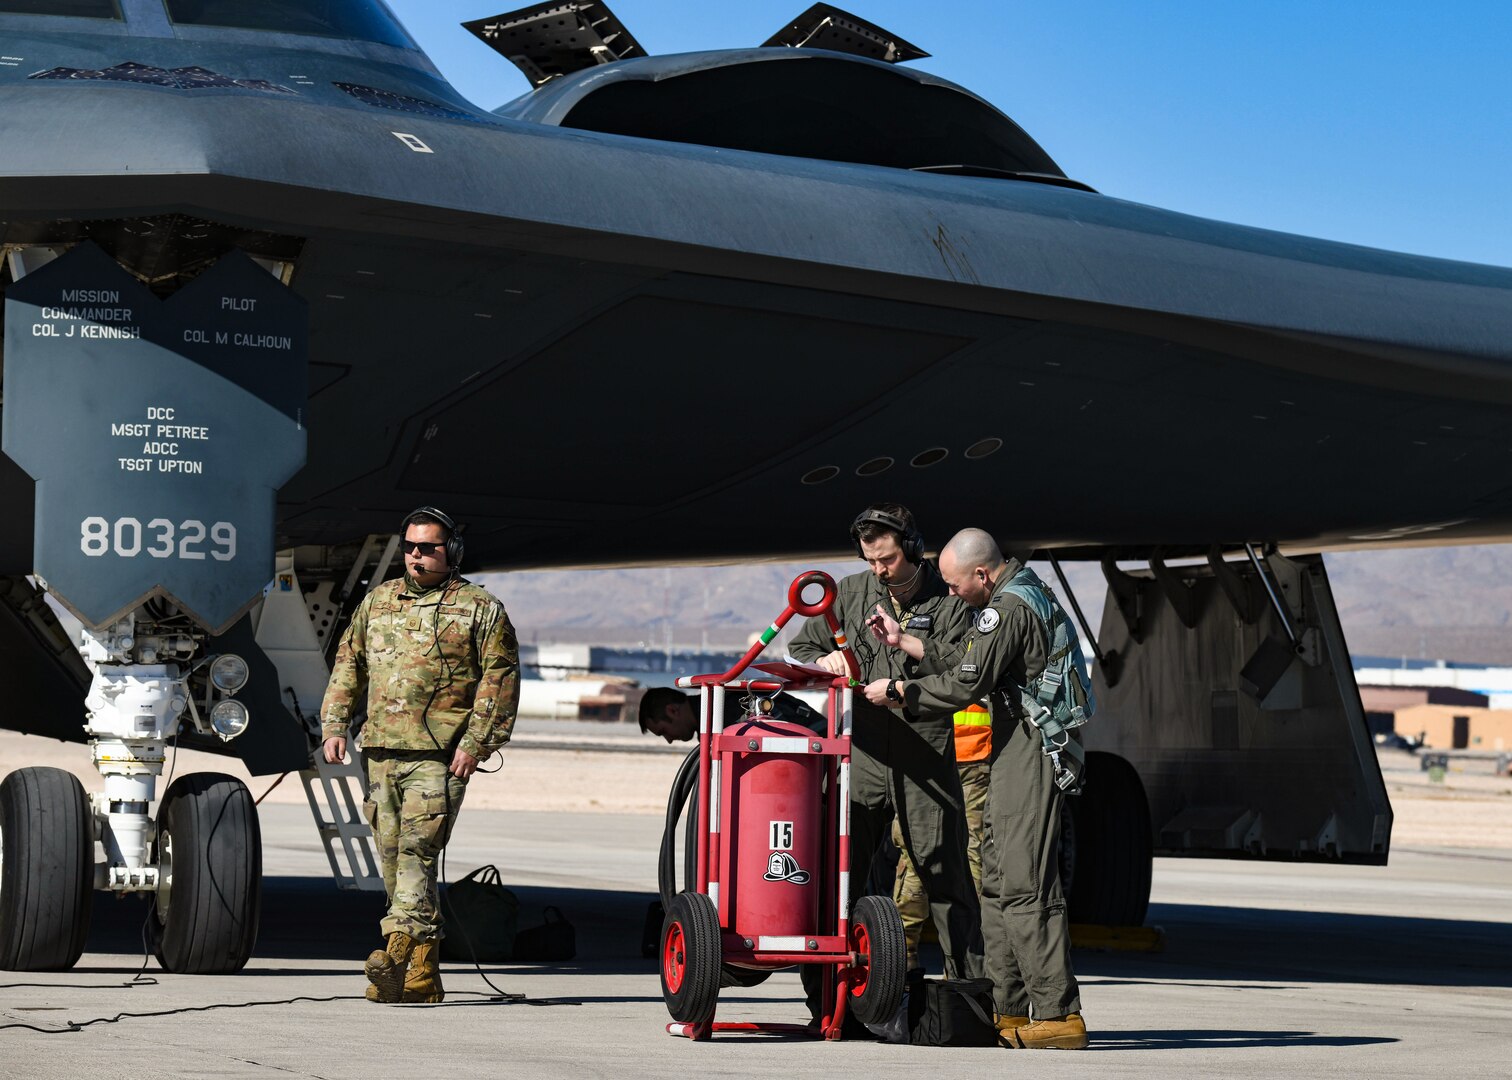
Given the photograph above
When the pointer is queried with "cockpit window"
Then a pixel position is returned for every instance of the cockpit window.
(82, 9)
(364, 20)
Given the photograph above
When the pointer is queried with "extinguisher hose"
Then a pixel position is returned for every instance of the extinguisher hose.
(666, 866)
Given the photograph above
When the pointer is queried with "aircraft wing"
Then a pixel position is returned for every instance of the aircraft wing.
(606, 349)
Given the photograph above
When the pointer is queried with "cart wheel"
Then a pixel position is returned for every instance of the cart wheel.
(876, 932)
(692, 955)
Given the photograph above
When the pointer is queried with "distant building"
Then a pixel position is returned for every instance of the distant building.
(1457, 727)
(1384, 704)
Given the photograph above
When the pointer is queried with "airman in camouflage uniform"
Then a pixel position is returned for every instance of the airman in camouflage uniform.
(433, 659)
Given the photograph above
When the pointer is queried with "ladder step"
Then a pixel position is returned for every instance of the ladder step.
(345, 835)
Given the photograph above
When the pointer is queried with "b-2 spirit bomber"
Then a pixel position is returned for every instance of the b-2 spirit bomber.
(271, 282)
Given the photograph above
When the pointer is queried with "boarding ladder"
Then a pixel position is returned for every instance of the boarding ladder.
(336, 796)
(336, 792)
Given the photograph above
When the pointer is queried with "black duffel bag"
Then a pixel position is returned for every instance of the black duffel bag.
(482, 916)
(951, 1012)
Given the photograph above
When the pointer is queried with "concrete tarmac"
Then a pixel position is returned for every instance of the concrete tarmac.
(1269, 970)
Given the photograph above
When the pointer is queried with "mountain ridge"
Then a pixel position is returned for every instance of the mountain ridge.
(1451, 603)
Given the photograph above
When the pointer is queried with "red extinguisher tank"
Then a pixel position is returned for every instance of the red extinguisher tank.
(773, 817)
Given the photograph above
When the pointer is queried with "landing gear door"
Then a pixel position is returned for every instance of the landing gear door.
(158, 431)
(1245, 727)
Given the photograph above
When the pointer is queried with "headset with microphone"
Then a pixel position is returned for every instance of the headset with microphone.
(455, 546)
(909, 538)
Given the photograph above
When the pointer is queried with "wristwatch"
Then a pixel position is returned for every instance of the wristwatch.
(892, 691)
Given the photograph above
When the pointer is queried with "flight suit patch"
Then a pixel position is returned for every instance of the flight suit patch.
(920, 622)
(987, 621)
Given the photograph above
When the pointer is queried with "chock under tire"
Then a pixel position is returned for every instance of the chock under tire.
(877, 932)
(692, 954)
(46, 870)
(205, 921)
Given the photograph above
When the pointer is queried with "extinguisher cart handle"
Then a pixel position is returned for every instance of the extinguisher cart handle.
(825, 607)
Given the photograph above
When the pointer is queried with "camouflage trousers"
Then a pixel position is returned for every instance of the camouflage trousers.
(908, 890)
(412, 804)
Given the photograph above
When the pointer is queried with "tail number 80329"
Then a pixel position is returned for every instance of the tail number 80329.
(160, 538)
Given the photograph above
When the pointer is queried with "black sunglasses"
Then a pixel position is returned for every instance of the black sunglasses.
(424, 547)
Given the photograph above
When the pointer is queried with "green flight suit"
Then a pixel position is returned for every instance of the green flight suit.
(1024, 924)
(903, 761)
(909, 894)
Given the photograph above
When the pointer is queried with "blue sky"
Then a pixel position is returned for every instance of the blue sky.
(1382, 123)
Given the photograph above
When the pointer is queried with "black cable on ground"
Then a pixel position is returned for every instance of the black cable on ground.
(472, 953)
(436, 631)
(75, 1026)
(80, 1025)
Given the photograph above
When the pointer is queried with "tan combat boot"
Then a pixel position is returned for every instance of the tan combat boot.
(387, 967)
(1057, 1033)
(423, 983)
(1007, 1025)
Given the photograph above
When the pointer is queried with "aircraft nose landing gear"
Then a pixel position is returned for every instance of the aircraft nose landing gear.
(200, 862)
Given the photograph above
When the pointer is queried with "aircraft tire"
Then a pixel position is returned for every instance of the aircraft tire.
(46, 870)
(1111, 846)
(205, 914)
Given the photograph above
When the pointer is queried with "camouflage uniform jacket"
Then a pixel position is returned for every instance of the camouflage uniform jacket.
(940, 620)
(440, 667)
(1005, 647)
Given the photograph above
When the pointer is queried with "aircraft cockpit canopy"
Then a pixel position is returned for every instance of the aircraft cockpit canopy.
(794, 103)
(828, 85)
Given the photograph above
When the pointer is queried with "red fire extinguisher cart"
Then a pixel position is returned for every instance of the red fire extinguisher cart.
(773, 877)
